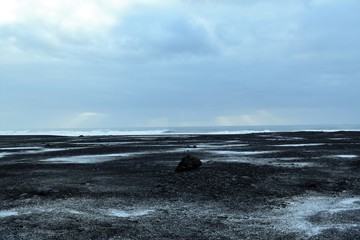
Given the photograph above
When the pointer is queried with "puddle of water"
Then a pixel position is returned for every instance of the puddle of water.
(346, 204)
(346, 156)
(17, 150)
(105, 143)
(8, 213)
(296, 216)
(292, 162)
(235, 145)
(20, 148)
(288, 158)
(126, 214)
(246, 153)
(263, 162)
(71, 211)
(87, 158)
(36, 210)
(280, 138)
(297, 164)
(183, 150)
(300, 145)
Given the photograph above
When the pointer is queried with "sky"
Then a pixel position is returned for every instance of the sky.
(156, 63)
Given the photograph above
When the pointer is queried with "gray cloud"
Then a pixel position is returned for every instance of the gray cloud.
(184, 63)
(175, 37)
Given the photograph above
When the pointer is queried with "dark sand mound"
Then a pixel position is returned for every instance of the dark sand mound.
(300, 185)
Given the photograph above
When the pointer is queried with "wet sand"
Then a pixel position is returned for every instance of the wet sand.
(298, 185)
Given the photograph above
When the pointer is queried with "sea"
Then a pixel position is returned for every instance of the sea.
(214, 130)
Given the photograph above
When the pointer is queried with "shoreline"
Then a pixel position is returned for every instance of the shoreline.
(269, 185)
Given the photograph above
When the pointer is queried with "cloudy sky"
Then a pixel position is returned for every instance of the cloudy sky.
(123, 63)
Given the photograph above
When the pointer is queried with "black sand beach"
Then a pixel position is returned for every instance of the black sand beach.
(295, 185)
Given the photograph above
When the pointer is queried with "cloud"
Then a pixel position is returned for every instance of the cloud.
(143, 30)
(59, 29)
(83, 120)
(140, 59)
(67, 15)
(181, 37)
(257, 118)
(101, 29)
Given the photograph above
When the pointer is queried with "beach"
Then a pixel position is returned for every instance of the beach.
(266, 185)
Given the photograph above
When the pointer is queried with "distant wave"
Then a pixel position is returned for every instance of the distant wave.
(181, 130)
(238, 132)
(101, 132)
(85, 132)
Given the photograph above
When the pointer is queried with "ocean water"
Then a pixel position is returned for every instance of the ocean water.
(181, 130)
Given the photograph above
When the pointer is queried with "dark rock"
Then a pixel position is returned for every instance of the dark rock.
(188, 162)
